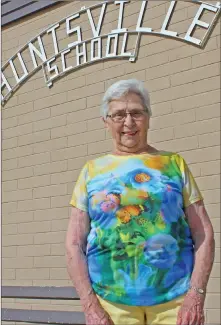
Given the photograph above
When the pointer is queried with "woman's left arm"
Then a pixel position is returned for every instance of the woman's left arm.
(191, 311)
(204, 244)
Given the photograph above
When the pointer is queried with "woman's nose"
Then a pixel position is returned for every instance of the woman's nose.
(128, 120)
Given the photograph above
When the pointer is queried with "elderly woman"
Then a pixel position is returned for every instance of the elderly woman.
(140, 245)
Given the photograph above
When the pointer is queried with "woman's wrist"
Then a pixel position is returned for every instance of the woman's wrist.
(91, 303)
(197, 289)
(195, 296)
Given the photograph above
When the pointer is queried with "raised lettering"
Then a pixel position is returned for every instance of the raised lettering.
(33, 50)
(82, 54)
(198, 22)
(4, 84)
(70, 30)
(120, 18)
(124, 46)
(53, 68)
(23, 67)
(54, 37)
(112, 44)
(98, 42)
(63, 61)
(96, 30)
(108, 48)
(167, 19)
(140, 19)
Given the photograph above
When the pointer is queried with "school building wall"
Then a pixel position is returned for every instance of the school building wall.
(49, 133)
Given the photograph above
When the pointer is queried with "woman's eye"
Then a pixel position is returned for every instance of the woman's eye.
(119, 115)
(138, 113)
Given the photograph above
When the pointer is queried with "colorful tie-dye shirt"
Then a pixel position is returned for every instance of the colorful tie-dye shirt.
(139, 249)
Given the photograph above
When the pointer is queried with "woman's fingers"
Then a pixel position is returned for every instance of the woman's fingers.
(183, 317)
(190, 317)
(193, 317)
(200, 316)
(107, 321)
(179, 318)
(93, 319)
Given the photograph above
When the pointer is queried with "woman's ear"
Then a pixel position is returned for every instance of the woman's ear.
(107, 125)
(105, 122)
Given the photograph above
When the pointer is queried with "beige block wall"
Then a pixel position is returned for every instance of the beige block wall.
(48, 134)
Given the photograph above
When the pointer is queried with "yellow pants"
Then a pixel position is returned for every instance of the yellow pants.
(163, 314)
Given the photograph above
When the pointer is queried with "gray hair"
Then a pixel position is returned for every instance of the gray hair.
(123, 87)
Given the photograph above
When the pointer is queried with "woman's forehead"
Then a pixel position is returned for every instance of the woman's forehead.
(128, 101)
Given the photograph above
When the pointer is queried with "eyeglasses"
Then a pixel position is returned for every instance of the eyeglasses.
(136, 115)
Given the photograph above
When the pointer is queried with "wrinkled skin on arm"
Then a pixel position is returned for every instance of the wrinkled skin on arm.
(76, 242)
(191, 311)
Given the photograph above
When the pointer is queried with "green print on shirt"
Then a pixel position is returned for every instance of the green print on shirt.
(140, 250)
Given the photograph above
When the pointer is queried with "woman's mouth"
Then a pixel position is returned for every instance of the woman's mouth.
(130, 134)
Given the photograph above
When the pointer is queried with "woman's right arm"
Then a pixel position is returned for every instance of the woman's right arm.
(76, 242)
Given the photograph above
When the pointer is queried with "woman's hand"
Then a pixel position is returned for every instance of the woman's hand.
(191, 311)
(76, 243)
(96, 315)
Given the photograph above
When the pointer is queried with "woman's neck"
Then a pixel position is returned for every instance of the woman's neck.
(147, 149)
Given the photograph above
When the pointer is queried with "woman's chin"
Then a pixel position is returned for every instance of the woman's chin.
(130, 143)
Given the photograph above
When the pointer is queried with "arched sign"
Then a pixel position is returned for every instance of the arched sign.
(79, 52)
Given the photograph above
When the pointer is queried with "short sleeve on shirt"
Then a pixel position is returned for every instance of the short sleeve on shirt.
(191, 192)
(79, 197)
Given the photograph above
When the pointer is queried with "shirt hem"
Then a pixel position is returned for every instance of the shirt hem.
(197, 199)
(78, 206)
(140, 302)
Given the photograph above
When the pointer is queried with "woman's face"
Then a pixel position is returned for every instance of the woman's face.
(129, 135)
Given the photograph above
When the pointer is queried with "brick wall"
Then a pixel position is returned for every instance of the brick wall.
(48, 134)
